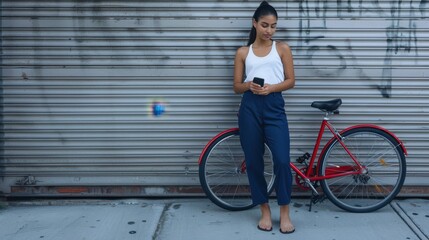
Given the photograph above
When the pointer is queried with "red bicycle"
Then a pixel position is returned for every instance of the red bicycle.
(360, 169)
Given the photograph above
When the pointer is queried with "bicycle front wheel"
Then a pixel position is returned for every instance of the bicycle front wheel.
(223, 174)
(384, 170)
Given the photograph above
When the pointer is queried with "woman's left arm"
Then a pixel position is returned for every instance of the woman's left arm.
(287, 60)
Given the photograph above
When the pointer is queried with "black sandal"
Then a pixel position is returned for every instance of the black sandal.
(265, 230)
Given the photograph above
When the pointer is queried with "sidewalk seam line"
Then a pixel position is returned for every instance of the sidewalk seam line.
(410, 223)
(161, 221)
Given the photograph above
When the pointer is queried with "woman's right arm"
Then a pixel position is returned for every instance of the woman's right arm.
(239, 85)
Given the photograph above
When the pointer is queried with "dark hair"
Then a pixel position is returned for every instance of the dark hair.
(264, 9)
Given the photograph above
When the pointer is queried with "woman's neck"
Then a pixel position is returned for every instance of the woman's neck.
(262, 43)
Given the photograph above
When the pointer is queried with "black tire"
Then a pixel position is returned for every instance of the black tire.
(384, 160)
(222, 172)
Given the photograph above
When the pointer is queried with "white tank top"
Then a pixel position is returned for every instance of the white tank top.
(269, 67)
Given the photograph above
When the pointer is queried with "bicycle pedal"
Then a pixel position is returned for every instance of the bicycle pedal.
(303, 158)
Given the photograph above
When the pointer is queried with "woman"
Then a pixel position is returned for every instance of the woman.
(262, 116)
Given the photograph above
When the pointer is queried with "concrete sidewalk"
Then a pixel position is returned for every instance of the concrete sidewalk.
(199, 219)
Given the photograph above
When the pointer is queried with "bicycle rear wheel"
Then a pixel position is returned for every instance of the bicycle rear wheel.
(223, 174)
(385, 168)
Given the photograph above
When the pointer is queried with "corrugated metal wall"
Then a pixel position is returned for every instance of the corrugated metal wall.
(120, 93)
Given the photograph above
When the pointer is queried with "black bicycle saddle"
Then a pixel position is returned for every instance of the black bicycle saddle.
(327, 106)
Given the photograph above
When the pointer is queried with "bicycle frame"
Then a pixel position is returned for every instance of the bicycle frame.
(312, 176)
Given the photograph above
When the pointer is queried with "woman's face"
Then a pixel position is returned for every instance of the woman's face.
(265, 27)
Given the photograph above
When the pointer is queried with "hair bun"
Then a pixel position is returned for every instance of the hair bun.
(264, 3)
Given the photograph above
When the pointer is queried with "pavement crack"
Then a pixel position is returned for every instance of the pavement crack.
(161, 221)
(409, 221)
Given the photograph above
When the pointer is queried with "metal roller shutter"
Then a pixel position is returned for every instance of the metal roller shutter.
(118, 98)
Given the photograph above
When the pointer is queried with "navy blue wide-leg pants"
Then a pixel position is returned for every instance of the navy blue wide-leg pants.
(263, 119)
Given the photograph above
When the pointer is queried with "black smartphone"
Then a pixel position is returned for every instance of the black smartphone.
(259, 81)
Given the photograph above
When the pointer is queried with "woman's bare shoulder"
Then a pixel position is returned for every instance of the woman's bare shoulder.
(282, 46)
(242, 51)
(283, 49)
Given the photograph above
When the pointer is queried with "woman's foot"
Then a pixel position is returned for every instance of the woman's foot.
(286, 225)
(265, 223)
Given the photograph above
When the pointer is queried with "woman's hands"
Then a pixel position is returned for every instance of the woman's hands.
(258, 90)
